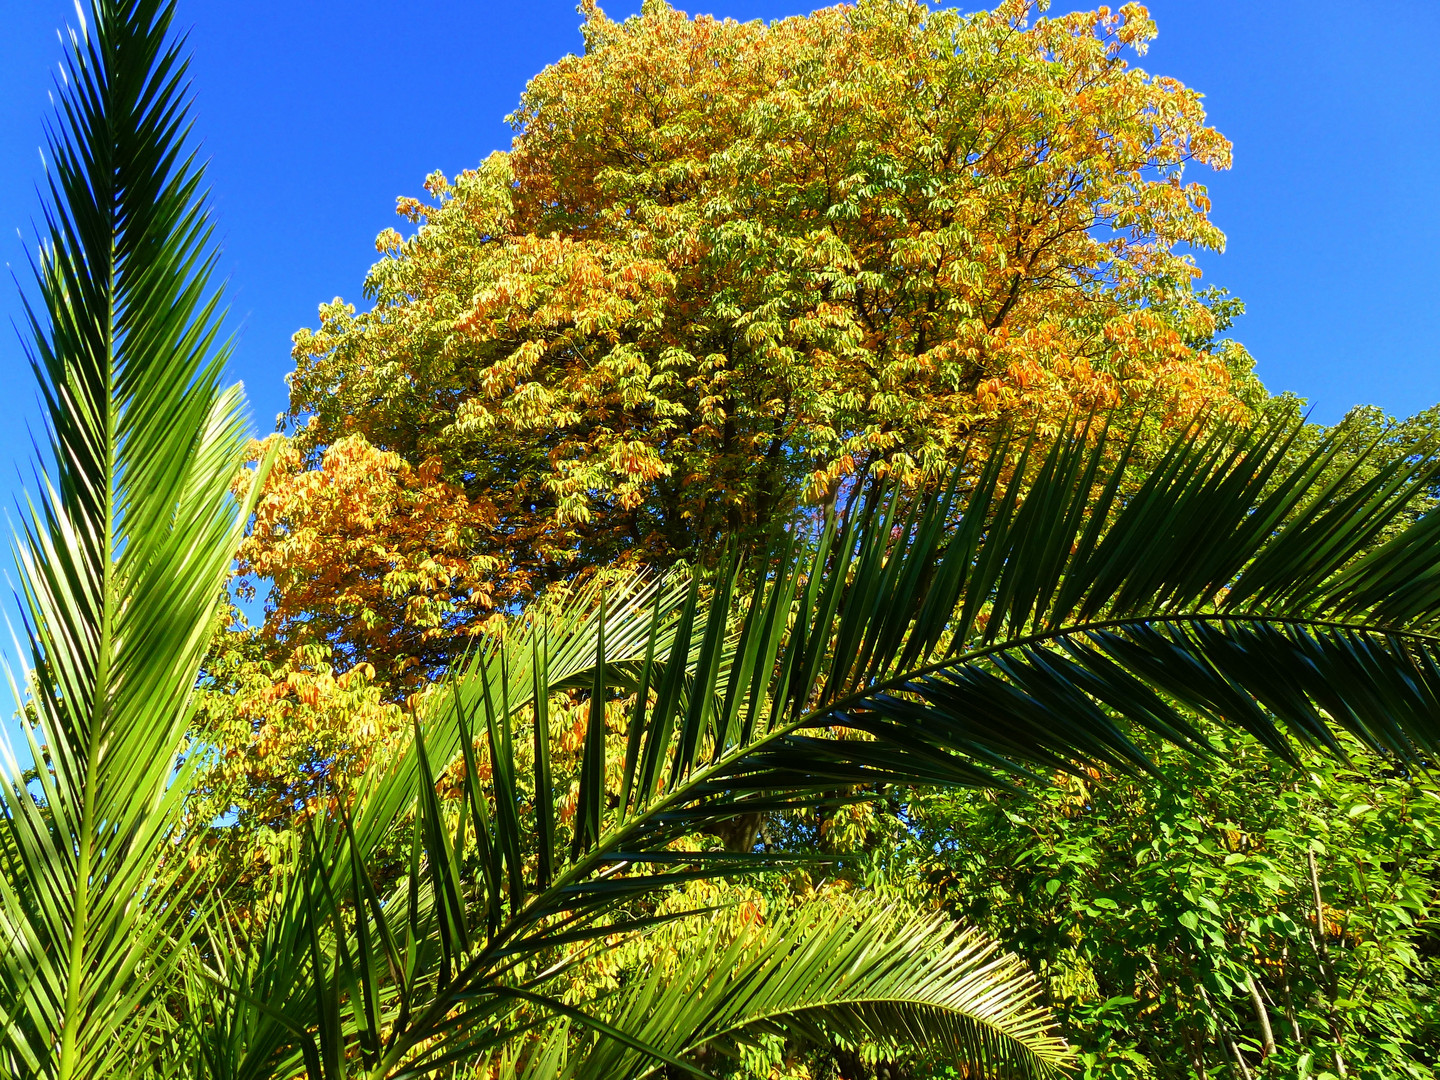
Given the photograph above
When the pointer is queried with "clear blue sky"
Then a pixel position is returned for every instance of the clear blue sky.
(316, 114)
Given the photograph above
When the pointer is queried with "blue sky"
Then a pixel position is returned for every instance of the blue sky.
(316, 114)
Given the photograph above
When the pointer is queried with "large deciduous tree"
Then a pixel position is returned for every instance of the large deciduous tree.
(724, 267)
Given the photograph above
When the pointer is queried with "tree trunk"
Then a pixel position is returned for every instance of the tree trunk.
(739, 833)
(1327, 972)
(1267, 1035)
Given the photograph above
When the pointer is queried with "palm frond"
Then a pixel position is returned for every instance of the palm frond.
(123, 557)
(1027, 619)
(882, 975)
(559, 650)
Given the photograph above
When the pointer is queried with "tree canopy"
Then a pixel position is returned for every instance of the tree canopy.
(724, 267)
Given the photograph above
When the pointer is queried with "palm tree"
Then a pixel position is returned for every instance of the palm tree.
(1024, 620)
(122, 557)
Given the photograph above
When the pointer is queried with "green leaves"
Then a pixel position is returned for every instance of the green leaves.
(1131, 897)
(1220, 583)
(122, 559)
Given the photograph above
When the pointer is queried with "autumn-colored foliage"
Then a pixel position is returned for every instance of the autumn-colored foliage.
(391, 557)
(723, 267)
(726, 264)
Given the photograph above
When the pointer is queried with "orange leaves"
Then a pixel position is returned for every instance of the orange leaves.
(554, 282)
(370, 555)
(388, 242)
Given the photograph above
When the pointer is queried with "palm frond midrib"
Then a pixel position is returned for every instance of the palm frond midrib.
(1050, 635)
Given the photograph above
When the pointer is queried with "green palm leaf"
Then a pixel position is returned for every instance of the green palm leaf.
(882, 975)
(122, 559)
(1027, 620)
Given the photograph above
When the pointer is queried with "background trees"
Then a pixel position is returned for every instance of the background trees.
(1176, 923)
